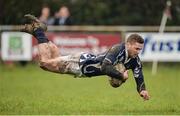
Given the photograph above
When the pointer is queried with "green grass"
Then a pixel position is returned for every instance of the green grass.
(31, 90)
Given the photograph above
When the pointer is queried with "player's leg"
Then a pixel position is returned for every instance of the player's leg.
(63, 64)
(47, 49)
(54, 50)
(49, 56)
(48, 52)
(50, 59)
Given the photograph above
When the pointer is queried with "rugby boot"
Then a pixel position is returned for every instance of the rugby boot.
(35, 24)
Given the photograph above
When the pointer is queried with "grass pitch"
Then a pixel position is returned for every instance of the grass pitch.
(30, 90)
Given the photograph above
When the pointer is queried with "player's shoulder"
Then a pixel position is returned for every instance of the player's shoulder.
(119, 46)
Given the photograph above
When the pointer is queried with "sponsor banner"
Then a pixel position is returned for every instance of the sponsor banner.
(161, 47)
(70, 43)
(16, 46)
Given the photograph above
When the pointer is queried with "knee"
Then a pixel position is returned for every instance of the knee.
(48, 65)
(43, 65)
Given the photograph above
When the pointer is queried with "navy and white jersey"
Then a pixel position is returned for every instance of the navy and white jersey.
(91, 65)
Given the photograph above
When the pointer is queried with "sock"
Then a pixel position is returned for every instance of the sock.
(40, 36)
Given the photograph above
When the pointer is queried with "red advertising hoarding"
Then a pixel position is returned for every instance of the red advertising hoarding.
(81, 42)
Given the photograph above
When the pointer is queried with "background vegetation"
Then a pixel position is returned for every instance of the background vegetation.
(94, 12)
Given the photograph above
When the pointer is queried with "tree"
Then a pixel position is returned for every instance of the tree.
(94, 12)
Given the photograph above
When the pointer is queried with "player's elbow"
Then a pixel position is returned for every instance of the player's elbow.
(105, 67)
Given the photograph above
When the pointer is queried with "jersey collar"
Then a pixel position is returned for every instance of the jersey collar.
(127, 58)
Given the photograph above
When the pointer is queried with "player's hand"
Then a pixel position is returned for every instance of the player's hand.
(144, 94)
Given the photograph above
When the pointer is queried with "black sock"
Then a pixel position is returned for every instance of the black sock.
(40, 36)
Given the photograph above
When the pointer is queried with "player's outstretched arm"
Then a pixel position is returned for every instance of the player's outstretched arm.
(139, 78)
(107, 65)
